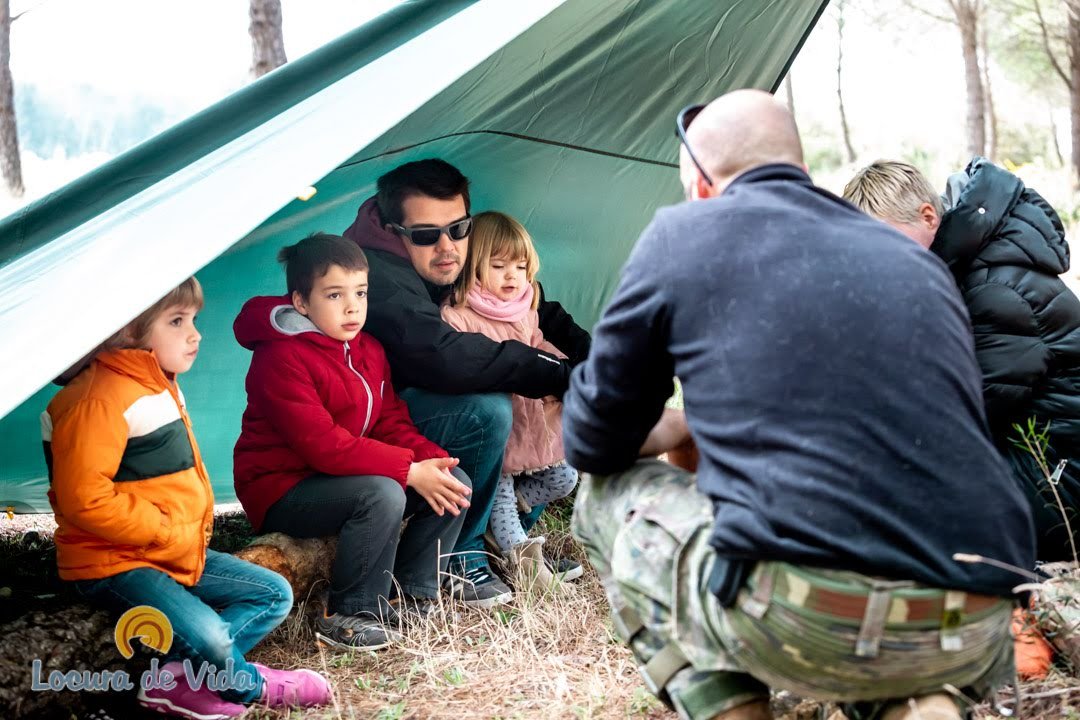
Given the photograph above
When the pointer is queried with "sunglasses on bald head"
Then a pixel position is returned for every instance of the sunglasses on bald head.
(427, 235)
(682, 124)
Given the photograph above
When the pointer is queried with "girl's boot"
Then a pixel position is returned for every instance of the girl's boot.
(532, 570)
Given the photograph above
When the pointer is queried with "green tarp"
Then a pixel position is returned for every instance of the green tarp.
(561, 112)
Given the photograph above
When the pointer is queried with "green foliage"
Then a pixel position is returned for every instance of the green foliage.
(1032, 439)
(1026, 144)
(1017, 46)
(823, 157)
(454, 676)
(391, 712)
(1036, 441)
(341, 660)
(643, 702)
(920, 158)
(506, 616)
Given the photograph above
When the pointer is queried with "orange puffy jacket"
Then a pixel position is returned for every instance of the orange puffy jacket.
(128, 485)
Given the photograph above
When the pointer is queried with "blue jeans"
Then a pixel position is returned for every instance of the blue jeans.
(474, 429)
(234, 605)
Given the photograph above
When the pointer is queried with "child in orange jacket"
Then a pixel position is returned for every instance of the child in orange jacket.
(135, 511)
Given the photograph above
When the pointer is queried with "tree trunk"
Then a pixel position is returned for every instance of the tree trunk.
(1074, 86)
(789, 93)
(845, 129)
(10, 165)
(991, 113)
(967, 14)
(301, 562)
(1054, 139)
(267, 43)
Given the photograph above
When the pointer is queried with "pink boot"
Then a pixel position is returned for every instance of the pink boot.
(293, 688)
(182, 701)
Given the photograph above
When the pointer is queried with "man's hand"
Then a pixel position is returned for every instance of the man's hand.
(432, 479)
(669, 433)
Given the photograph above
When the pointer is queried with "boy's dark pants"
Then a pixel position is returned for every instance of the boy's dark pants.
(366, 512)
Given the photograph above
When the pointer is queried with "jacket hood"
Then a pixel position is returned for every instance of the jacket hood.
(266, 319)
(368, 232)
(992, 218)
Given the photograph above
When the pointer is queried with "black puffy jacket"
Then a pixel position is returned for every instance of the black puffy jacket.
(1006, 247)
(425, 352)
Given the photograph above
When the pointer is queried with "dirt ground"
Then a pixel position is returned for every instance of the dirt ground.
(552, 657)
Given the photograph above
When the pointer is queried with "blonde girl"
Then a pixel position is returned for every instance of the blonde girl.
(498, 296)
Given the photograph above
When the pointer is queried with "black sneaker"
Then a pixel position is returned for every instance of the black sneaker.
(479, 588)
(410, 609)
(354, 632)
(566, 569)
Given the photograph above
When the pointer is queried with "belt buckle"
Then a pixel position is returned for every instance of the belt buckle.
(952, 617)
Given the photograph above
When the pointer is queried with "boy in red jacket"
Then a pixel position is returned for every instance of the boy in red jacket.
(327, 447)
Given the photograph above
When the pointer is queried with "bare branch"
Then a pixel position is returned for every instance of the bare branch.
(912, 5)
(16, 16)
(1046, 45)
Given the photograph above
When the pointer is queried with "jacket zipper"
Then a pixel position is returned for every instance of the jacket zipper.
(370, 396)
(199, 469)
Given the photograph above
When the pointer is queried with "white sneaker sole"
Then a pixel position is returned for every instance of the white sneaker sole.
(163, 705)
(571, 574)
(485, 603)
(326, 641)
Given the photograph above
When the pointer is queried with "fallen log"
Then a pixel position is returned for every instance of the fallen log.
(302, 562)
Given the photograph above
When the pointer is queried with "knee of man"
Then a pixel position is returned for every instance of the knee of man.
(494, 411)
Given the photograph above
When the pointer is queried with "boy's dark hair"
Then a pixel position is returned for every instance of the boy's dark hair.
(312, 257)
(432, 177)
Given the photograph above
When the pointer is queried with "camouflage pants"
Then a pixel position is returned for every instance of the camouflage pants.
(646, 532)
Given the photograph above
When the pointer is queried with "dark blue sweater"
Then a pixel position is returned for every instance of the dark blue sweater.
(830, 383)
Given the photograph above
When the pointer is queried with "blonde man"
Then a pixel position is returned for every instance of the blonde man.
(1006, 248)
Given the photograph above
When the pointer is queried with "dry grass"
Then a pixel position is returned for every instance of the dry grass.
(550, 657)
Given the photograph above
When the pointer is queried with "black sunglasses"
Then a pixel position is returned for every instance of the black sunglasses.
(682, 123)
(425, 236)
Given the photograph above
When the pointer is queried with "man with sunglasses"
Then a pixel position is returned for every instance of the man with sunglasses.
(415, 232)
(831, 386)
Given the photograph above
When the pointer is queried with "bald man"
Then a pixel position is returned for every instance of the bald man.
(831, 387)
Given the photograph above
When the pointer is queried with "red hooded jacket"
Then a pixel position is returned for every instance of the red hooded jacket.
(315, 405)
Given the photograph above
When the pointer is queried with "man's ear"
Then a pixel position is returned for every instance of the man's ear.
(929, 217)
(299, 303)
(702, 187)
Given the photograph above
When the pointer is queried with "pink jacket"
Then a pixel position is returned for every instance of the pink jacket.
(536, 437)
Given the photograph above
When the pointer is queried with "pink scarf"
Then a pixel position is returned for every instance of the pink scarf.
(491, 307)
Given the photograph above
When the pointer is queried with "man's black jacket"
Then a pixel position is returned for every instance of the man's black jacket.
(425, 352)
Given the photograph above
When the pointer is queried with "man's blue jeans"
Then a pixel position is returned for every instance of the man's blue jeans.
(474, 429)
(234, 605)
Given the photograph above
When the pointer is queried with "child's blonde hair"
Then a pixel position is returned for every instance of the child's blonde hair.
(892, 190)
(136, 334)
(497, 235)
